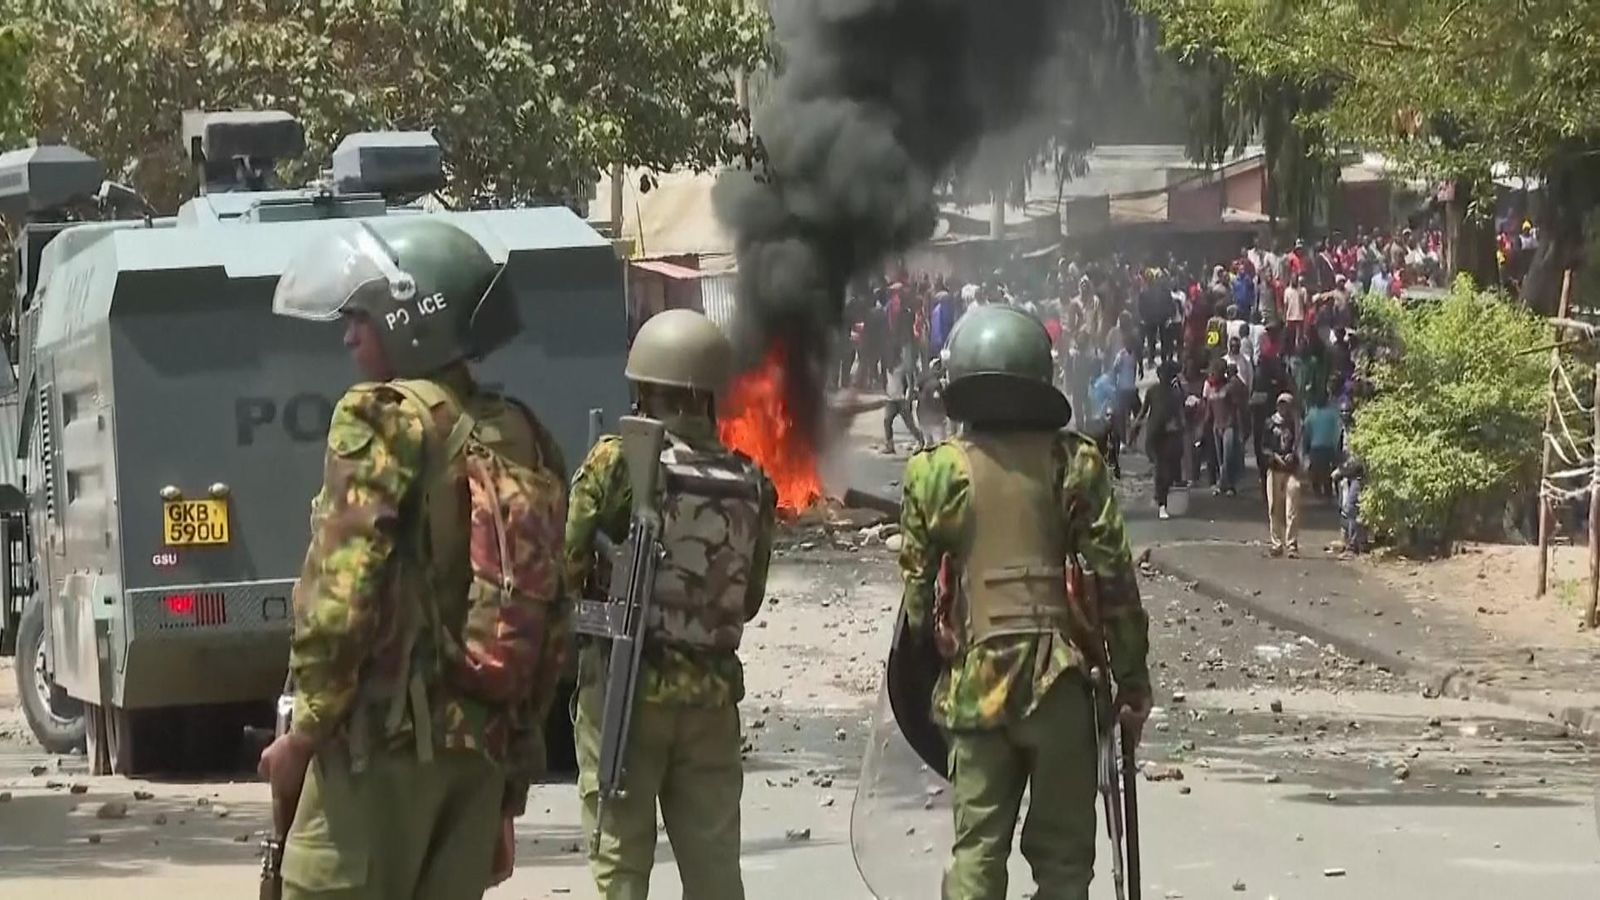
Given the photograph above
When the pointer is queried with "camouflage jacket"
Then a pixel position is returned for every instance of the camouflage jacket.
(601, 501)
(351, 620)
(1002, 680)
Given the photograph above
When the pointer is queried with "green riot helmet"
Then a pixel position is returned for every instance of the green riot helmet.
(428, 286)
(681, 348)
(999, 371)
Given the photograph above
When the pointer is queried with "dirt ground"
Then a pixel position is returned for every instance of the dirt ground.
(1493, 584)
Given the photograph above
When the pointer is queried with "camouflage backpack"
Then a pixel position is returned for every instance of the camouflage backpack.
(495, 648)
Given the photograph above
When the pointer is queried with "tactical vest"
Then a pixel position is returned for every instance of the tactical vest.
(1013, 564)
(711, 517)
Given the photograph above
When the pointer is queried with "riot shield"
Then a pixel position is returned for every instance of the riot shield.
(901, 825)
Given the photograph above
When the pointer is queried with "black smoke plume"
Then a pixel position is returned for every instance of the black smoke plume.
(874, 104)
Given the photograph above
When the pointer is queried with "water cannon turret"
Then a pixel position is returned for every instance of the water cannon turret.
(392, 163)
(45, 183)
(237, 150)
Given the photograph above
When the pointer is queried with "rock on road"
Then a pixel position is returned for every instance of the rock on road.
(1305, 775)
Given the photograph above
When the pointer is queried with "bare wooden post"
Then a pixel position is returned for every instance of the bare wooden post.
(1546, 516)
(1589, 616)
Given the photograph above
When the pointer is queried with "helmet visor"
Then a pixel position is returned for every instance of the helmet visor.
(322, 279)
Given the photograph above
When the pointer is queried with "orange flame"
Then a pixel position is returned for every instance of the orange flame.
(755, 420)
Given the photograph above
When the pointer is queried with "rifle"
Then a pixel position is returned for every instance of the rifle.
(624, 615)
(283, 809)
(1118, 772)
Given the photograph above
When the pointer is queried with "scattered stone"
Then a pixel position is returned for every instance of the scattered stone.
(797, 835)
(1186, 746)
(1274, 778)
(894, 542)
(1238, 885)
(825, 802)
(202, 802)
(160, 819)
(840, 735)
(1185, 790)
(242, 838)
(1333, 797)
(222, 812)
(1435, 722)
(1163, 773)
(94, 838)
(1402, 772)
(112, 809)
(1179, 697)
(1276, 706)
(757, 724)
(1333, 873)
(143, 795)
(36, 771)
(5, 796)
(1463, 770)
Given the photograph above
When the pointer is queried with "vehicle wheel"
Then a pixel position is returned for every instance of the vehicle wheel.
(56, 719)
(560, 755)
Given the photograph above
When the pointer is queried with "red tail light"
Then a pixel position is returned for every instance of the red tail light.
(209, 608)
(180, 605)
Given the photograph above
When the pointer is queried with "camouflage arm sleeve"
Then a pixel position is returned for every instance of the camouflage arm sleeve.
(933, 500)
(1096, 530)
(599, 502)
(761, 559)
(374, 454)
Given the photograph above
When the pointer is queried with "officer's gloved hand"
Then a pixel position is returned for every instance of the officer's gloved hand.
(1133, 708)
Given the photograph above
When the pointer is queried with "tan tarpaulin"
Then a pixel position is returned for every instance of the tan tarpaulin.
(674, 217)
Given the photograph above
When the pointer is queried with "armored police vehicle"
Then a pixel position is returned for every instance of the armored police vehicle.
(161, 431)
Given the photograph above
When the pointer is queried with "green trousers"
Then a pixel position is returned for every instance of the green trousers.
(1052, 753)
(400, 829)
(686, 758)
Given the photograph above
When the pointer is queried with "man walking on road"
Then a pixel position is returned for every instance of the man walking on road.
(718, 512)
(415, 730)
(901, 388)
(1016, 493)
(1281, 446)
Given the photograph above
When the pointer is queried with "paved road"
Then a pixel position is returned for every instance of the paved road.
(1272, 801)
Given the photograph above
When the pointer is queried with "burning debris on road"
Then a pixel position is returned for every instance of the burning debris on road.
(875, 103)
(757, 420)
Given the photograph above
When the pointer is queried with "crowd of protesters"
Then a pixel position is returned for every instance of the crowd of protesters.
(1198, 365)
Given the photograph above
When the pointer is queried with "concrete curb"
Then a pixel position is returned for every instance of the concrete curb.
(1445, 680)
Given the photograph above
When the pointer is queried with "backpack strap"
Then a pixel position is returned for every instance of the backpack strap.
(443, 508)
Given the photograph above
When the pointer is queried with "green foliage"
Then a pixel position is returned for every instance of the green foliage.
(530, 99)
(1454, 431)
(13, 69)
(1449, 87)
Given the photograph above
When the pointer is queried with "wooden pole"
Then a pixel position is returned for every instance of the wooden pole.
(1594, 514)
(1546, 516)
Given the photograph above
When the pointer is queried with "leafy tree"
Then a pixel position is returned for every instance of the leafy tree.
(1451, 88)
(529, 98)
(13, 66)
(1453, 433)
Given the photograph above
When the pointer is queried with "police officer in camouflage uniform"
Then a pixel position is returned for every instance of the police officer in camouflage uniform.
(1009, 502)
(404, 787)
(718, 513)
